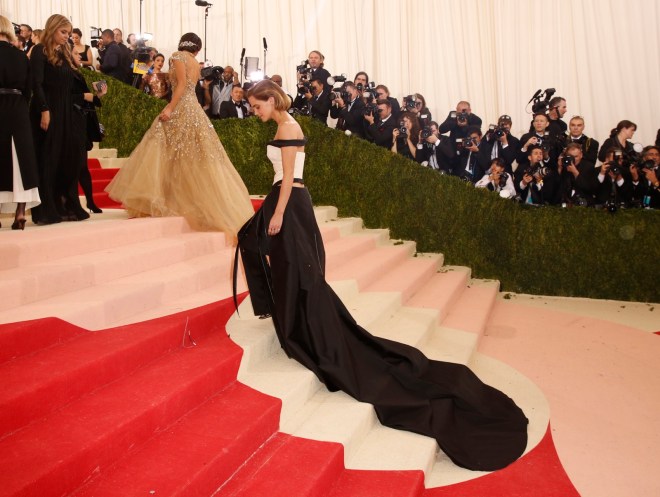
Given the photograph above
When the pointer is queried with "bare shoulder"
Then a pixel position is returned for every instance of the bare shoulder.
(289, 130)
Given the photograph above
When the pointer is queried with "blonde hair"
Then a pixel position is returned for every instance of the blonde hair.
(56, 54)
(7, 29)
(265, 89)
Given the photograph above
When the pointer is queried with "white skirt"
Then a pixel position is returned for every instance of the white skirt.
(8, 200)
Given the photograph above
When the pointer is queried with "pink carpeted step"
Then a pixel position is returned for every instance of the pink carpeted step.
(345, 248)
(288, 466)
(472, 309)
(198, 453)
(69, 239)
(62, 450)
(39, 383)
(408, 277)
(441, 291)
(369, 266)
(362, 483)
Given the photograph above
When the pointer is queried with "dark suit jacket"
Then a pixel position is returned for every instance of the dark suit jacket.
(444, 153)
(320, 105)
(352, 120)
(507, 154)
(228, 109)
(114, 62)
(589, 147)
(380, 132)
(478, 164)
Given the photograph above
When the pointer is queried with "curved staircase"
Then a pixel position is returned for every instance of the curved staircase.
(159, 401)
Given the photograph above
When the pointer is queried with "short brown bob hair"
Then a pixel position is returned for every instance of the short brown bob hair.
(265, 89)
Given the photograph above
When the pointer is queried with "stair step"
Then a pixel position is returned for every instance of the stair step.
(471, 310)
(41, 281)
(67, 447)
(286, 466)
(442, 290)
(356, 483)
(47, 379)
(408, 277)
(101, 153)
(59, 241)
(198, 453)
(27, 337)
(103, 200)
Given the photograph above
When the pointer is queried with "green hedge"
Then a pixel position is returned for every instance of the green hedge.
(550, 251)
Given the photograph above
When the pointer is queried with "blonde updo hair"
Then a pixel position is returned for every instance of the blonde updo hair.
(7, 29)
(265, 89)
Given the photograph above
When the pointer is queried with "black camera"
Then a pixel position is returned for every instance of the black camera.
(335, 94)
(462, 117)
(303, 67)
(503, 179)
(371, 109)
(468, 142)
(567, 160)
(213, 73)
(542, 106)
(495, 131)
(410, 102)
(305, 87)
(95, 36)
(403, 131)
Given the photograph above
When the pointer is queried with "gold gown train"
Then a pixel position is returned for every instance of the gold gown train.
(180, 168)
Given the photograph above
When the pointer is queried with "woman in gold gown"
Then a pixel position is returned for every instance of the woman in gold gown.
(180, 168)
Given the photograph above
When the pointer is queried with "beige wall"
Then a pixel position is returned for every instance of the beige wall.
(603, 56)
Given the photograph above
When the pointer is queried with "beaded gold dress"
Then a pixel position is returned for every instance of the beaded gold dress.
(180, 168)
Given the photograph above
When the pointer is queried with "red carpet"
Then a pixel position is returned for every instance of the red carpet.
(140, 409)
(100, 179)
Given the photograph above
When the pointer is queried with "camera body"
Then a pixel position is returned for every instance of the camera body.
(539, 169)
(371, 109)
(340, 93)
(409, 102)
(213, 73)
(542, 106)
(567, 160)
(503, 179)
(403, 131)
(305, 87)
(468, 142)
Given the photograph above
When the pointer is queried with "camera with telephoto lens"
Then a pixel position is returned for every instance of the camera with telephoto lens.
(468, 142)
(403, 131)
(305, 87)
(409, 102)
(495, 131)
(335, 94)
(304, 67)
(539, 169)
(371, 109)
(212, 73)
(642, 164)
(426, 126)
(542, 106)
(462, 117)
(369, 92)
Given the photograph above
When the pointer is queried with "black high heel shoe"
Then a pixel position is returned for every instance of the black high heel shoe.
(18, 224)
(94, 208)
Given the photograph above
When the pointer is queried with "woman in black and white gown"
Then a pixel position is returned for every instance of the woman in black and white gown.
(477, 426)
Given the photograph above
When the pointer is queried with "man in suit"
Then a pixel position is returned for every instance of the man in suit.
(579, 177)
(213, 91)
(349, 112)
(235, 107)
(380, 127)
(535, 183)
(112, 61)
(26, 33)
(317, 98)
(473, 163)
(499, 143)
(576, 135)
(435, 151)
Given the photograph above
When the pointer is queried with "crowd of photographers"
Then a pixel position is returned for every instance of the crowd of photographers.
(555, 163)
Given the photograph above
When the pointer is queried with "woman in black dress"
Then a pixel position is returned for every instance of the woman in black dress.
(55, 125)
(477, 426)
(18, 166)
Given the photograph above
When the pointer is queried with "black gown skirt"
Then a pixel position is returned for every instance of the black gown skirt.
(477, 426)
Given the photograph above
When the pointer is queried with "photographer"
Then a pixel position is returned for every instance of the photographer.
(620, 138)
(112, 59)
(498, 180)
(361, 81)
(215, 88)
(349, 109)
(472, 162)
(579, 185)
(646, 178)
(555, 111)
(314, 96)
(434, 150)
(534, 181)
(458, 122)
(576, 135)
(381, 126)
(406, 136)
(416, 103)
(613, 188)
(382, 92)
(312, 68)
(500, 143)
(541, 138)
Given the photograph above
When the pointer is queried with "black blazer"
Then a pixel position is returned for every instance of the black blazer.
(320, 105)
(228, 109)
(380, 132)
(507, 154)
(352, 120)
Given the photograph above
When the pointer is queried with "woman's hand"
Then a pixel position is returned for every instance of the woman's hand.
(45, 120)
(166, 114)
(275, 224)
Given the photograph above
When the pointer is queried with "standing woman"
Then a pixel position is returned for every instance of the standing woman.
(406, 144)
(84, 50)
(36, 38)
(157, 82)
(18, 166)
(52, 113)
(619, 139)
(476, 425)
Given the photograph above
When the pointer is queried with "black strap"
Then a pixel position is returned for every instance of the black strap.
(288, 143)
